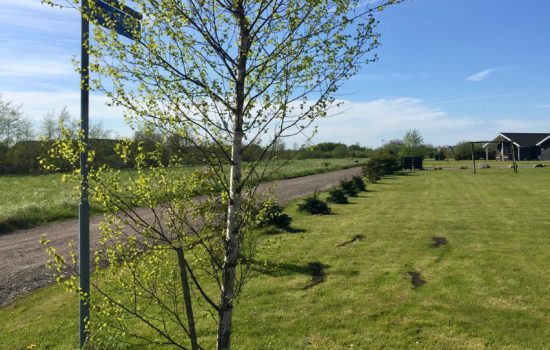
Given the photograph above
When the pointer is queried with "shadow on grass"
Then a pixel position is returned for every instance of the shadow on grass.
(318, 273)
(294, 230)
(354, 239)
(274, 230)
(275, 269)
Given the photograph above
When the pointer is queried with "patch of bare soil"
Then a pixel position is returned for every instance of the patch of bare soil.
(439, 241)
(416, 279)
(23, 259)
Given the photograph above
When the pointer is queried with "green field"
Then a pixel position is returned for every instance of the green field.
(28, 201)
(486, 289)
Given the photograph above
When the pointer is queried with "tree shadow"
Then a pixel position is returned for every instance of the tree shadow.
(274, 230)
(318, 273)
(294, 230)
(277, 269)
(353, 239)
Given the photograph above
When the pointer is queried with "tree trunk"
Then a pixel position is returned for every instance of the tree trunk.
(232, 226)
(231, 249)
(187, 298)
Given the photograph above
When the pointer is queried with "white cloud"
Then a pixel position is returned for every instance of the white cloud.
(479, 76)
(28, 4)
(366, 122)
(484, 74)
(521, 125)
(35, 16)
(36, 67)
(371, 122)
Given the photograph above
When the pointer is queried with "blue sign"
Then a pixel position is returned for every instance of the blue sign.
(113, 15)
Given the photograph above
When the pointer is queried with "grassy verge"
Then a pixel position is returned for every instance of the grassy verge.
(487, 288)
(29, 201)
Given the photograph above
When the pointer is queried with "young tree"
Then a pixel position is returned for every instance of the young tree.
(66, 122)
(98, 131)
(26, 132)
(12, 123)
(392, 147)
(233, 73)
(48, 128)
(412, 142)
(53, 123)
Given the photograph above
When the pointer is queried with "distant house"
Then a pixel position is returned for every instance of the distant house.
(527, 146)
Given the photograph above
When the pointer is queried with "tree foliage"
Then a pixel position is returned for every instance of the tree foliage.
(313, 205)
(463, 150)
(381, 165)
(224, 76)
(13, 126)
(412, 142)
(337, 195)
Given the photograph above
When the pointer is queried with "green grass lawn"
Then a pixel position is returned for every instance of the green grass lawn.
(451, 163)
(32, 200)
(486, 289)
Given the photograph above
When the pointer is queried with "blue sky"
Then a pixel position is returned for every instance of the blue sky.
(454, 69)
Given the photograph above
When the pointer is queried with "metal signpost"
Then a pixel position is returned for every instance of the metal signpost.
(84, 206)
(125, 21)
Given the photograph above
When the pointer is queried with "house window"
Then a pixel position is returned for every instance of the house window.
(507, 150)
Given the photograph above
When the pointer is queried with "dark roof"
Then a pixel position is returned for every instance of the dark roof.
(524, 138)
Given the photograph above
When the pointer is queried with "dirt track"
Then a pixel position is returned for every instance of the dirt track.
(22, 258)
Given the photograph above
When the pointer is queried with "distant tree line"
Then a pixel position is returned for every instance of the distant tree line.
(21, 146)
(325, 150)
(412, 144)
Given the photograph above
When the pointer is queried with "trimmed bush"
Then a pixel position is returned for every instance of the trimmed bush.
(373, 172)
(381, 165)
(275, 216)
(359, 183)
(348, 186)
(313, 205)
(337, 195)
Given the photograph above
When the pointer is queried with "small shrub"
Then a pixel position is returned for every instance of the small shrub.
(337, 196)
(348, 186)
(359, 183)
(275, 216)
(313, 205)
(380, 165)
(373, 172)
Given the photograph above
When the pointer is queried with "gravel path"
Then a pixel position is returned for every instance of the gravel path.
(22, 258)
